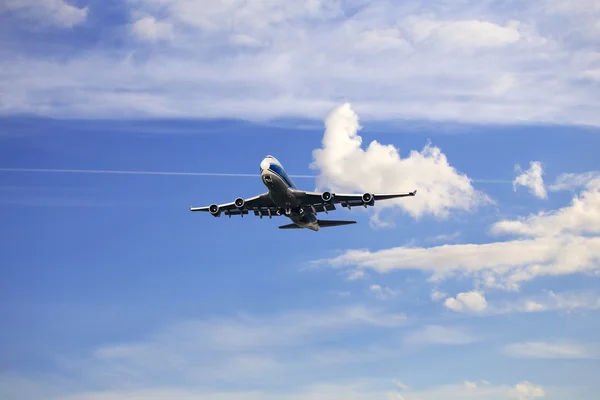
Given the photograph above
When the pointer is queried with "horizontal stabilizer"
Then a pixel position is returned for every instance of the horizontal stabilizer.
(328, 223)
(290, 226)
(322, 224)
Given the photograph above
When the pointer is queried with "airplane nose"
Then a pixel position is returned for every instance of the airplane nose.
(264, 164)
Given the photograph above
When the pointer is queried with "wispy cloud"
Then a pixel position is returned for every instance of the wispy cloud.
(364, 389)
(383, 293)
(148, 28)
(46, 12)
(440, 335)
(562, 349)
(242, 349)
(574, 181)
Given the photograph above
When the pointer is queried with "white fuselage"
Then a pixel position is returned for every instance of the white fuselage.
(281, 190)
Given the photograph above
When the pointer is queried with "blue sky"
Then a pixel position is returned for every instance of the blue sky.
(483, 286)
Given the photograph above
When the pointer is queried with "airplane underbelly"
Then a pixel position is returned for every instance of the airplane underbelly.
(278, 191)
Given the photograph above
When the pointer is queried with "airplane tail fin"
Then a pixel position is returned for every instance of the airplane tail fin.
(328, 223)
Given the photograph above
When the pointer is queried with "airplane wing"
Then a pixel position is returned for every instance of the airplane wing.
(325, 201)
(260, 205)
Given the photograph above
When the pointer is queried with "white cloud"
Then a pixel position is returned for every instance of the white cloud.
(565, 302)
(593, 74)
(503, 84)
(445, 238)
(440, 335)
(402, 386)
(47, 12)
(268, 59)
(453, 34)
(581, 216)
(572, 181)
(478, 391)
(377, 40)
(532, 179)
(470, 385)
(356, 274)
(527, 391)
(148, 28)
(469, 302)
(561, 242)
(344, 166)
(241, 349)
(348, 390)
(245, 40)
(383, 293)
(437, 295)
(547, 350)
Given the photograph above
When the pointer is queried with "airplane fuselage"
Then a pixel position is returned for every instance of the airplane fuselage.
(281, 187)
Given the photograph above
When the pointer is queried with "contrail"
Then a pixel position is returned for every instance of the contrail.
(120, 172)
(105, 171)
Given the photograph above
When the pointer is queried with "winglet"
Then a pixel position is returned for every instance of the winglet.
(414, 192)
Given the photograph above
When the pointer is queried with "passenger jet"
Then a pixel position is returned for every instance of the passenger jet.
(284, 198)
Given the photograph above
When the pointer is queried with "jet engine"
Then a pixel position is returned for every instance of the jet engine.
(214, 210)
(368, 199)
(326, 196)
(239, 202)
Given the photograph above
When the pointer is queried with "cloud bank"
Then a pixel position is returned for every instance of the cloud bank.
(266, 59)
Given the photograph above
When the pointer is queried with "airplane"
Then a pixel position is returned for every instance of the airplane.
(301, 207)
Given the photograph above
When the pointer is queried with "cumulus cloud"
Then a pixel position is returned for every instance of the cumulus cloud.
(343, 165)
(148, 28)
(468, 302)
(551, 350)
(562, 242)
(47, 12)
(269, 59)
(532, 179)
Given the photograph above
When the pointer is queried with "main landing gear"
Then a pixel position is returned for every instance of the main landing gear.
(299, 211)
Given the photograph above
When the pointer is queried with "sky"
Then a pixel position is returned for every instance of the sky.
(117, 116)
